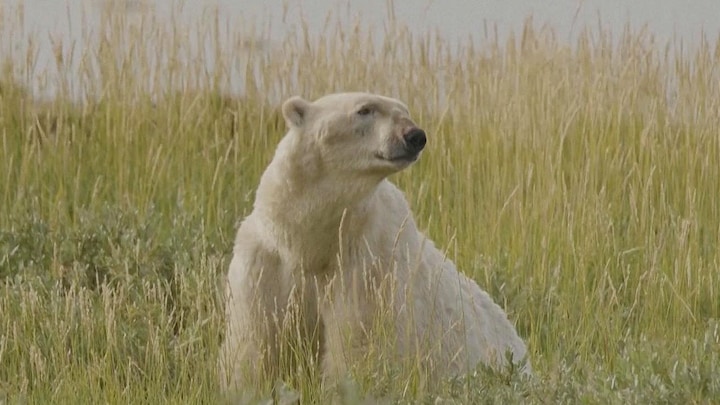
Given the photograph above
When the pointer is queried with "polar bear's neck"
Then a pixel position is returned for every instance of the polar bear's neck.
(318, 204)
(304, 209)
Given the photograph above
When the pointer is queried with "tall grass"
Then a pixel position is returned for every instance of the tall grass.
(576, 183)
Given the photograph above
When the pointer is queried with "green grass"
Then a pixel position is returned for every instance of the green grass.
(563, 179)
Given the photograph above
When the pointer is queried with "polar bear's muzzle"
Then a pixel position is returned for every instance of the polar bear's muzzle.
(413, 143)
(407, 148)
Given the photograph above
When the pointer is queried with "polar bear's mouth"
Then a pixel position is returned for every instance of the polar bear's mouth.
(404, 158)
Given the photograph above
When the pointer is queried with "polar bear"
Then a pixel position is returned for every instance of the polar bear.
(330, 258)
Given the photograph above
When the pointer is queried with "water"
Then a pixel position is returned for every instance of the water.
(65, 25)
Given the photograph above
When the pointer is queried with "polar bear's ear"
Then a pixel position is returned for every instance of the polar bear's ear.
(295, 111)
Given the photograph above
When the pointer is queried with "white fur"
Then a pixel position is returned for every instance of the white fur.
(331, 247)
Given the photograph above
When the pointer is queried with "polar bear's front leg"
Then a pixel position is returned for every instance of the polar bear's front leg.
(338, 348)
(256, 297)
(349, 314)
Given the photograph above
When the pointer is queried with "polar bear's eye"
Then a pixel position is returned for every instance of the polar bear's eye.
(365, 111)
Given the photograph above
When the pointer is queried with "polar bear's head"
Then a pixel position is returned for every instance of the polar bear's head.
(355, 134)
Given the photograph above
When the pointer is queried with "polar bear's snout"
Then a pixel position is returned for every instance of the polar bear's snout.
(415, 140)
(406, 148)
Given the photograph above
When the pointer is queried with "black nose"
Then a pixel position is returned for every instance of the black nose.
(415, 140)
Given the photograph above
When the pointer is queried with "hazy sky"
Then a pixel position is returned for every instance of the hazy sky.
(61, 23)
(454, 18)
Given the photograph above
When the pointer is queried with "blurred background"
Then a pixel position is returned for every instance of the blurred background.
(57, 24)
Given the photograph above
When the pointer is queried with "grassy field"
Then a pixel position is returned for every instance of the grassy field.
(577, 184)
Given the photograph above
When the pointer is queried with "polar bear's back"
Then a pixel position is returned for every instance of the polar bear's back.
(452, 321)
